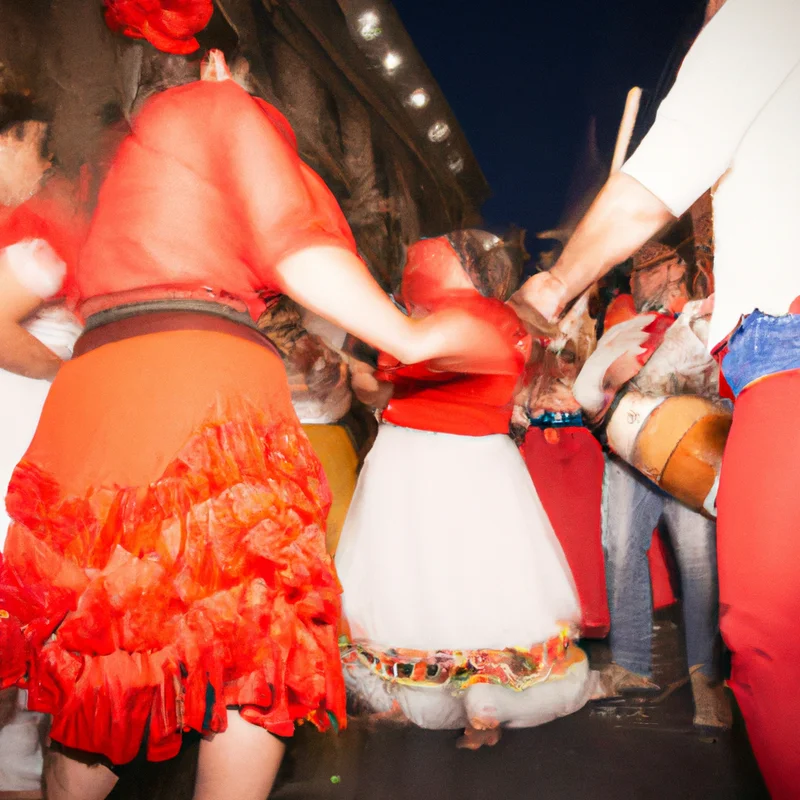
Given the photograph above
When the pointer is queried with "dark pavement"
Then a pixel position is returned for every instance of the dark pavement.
(629, 751)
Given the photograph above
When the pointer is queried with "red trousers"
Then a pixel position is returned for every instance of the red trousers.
(758, 541)
(566, 466)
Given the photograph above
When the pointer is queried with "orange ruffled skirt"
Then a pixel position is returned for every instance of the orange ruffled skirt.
(166, 559)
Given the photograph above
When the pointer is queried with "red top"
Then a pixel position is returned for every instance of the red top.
(53, 215)
(458, 403)
(204, 198)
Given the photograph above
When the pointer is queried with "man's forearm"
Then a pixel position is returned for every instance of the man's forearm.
(624, 216)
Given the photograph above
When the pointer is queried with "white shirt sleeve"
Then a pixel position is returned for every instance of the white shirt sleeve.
(331, 334)
(35, 264)
(732, 70)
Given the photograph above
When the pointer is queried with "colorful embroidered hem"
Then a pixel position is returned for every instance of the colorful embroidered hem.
(514, 668)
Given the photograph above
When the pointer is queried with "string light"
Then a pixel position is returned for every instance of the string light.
(455, 163)
(392, 61)
(439, 131)
(369, 26)
(418, 98)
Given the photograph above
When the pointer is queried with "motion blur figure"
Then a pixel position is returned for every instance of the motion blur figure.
(39, 227)
(460, 604)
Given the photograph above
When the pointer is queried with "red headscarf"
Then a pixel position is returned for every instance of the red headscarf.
(433, 273)
(169, 25)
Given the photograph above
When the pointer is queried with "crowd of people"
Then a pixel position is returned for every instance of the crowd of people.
(174, 353)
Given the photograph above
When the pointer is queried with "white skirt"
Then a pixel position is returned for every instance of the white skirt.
(447, 547)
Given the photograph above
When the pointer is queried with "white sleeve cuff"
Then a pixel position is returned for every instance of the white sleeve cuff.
(35, 264)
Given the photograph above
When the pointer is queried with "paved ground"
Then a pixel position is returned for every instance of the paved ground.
(626, 752)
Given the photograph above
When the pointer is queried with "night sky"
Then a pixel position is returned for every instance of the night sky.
(523, 78)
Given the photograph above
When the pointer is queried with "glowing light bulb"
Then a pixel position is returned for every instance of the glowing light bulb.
(455, 163)
(369, 25)
(439, 131)
(392, 61)
(419, 98)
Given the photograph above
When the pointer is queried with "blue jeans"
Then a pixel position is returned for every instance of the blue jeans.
(632, 508)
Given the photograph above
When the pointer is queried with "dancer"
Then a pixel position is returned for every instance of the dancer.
(39, 231)
(168, 518)
(459, 601)
(732, 119)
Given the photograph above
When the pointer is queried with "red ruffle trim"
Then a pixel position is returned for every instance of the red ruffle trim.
(136, 614)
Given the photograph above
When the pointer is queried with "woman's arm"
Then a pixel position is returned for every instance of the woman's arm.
(301, 241)
(335, 283)
(20, 352)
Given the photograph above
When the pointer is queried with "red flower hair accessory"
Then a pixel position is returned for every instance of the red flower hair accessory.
(169, 25)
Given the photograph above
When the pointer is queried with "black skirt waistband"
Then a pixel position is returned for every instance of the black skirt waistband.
(159, 316)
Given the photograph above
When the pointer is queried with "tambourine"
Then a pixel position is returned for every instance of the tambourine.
(676, 441)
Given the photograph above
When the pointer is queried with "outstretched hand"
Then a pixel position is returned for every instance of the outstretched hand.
(466, 342)
(541, 298)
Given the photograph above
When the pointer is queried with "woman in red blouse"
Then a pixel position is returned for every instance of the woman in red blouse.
(168, 534)
(459, 601)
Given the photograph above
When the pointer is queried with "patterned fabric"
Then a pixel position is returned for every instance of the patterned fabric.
(557, 419)
(514, 668)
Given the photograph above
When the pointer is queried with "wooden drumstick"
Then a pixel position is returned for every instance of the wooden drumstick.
(626, 127)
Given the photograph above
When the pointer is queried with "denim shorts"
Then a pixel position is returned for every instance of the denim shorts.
(762, 345)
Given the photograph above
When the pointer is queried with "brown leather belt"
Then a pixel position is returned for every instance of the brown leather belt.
(160, 316)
